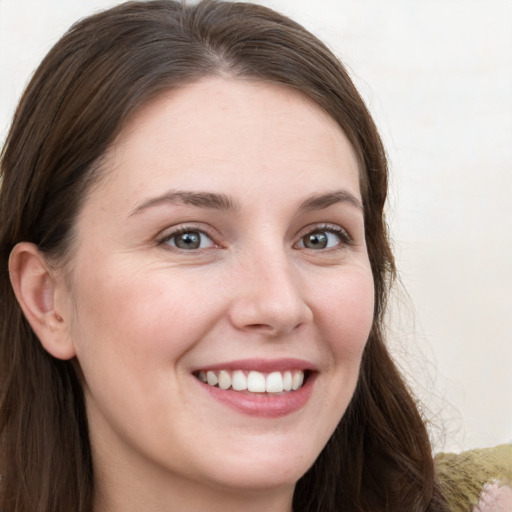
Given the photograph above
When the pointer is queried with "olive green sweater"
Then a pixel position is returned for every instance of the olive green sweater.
(463, 476)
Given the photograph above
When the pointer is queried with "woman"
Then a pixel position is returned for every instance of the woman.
(192, 217)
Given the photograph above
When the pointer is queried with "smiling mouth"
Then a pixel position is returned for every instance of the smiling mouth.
(254, 381)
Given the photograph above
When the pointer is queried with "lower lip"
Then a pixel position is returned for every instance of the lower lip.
(264, 405)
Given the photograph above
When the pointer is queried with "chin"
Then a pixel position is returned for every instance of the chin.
(264, 467)
(259, 479)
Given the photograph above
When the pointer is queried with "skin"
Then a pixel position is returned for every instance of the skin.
(141, 314)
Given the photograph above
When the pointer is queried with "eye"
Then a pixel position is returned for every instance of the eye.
(188, 240)
(324, 238)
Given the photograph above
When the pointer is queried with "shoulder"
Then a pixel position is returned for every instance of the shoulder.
(478, 480)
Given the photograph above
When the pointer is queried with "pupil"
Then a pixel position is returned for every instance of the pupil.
(189, 240)
(316, 241)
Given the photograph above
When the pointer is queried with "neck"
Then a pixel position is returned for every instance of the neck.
(191, 498)
(117, 490)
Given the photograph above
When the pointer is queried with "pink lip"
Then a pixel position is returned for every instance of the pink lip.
(261, 365)
(263, 405)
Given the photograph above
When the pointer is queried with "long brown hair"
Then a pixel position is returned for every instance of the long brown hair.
(104, 69)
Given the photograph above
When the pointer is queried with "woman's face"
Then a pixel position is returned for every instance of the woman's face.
(225, 241)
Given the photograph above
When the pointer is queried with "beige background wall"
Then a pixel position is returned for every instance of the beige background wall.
(437, 75)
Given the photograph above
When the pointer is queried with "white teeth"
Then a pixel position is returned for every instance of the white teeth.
(287, 381)
(211, 378)
(224, 380)
(239, 381)
(254, 381)
(274, 383)
(298, 379)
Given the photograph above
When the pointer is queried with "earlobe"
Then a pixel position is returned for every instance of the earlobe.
(35, 287)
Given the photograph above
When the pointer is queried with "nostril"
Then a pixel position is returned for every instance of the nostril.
(270, 303)
(260, 326)
(276, 326)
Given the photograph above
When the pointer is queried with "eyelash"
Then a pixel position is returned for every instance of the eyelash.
(182, 230)
(344, 238)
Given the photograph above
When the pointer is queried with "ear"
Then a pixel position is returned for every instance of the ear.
(36, 289)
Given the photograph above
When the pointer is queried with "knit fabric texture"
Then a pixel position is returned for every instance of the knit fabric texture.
(464, 477)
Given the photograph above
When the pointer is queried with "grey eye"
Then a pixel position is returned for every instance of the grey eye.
(320, 240)
(190, 240)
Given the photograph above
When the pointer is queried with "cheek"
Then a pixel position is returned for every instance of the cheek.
(344, 315)
(130, 319)
(345, 311)
(131, 333)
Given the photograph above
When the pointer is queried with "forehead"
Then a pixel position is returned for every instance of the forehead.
(224, 132)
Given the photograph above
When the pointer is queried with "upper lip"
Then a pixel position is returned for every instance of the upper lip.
(261, 365)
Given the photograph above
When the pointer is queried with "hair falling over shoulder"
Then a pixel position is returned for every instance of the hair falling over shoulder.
(101, 71)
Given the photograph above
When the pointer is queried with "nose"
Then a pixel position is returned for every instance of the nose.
(268, 297)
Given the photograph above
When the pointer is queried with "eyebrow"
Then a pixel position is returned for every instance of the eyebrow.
(200, 199)
(216, 201)
(322, 201)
